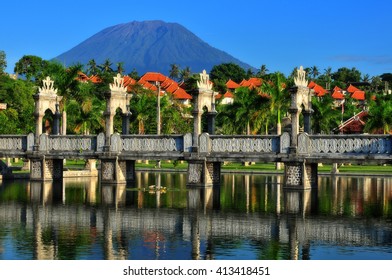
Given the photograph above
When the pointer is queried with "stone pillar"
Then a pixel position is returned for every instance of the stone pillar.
(56, 121)
(211, 122)
(64, 123)
(125, 123)
(115, 171)
(43, 169)
(294, 128)
(196, 127)
(300, 175)
(203, 174)
(307, 121)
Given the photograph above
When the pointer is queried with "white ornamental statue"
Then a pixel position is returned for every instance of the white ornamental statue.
(118, 84)
(204, 82)
(48, 86)
(300, 79)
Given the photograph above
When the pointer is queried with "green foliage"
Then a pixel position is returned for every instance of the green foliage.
(3, 62)
(225, 71)
(32, 67)
(18, 95)
(345, 76)
(380, 116)
(325, 116)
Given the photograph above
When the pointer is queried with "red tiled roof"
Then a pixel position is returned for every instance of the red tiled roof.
(245, 83)
(337, 93)
(228, 94)
(351, 89)
(311, 84)
(319, 90)
(128, 81)
(147, 85)
(256, 81)
(358, 94)
(231, 84)
(153, 77)
(251, 83)
(179, 93)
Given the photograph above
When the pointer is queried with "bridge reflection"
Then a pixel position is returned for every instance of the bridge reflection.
(114, 217)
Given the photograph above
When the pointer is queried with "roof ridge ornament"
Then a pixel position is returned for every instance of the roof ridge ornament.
(204, 82)
(300, 79)
(48, 87)
(118, 84)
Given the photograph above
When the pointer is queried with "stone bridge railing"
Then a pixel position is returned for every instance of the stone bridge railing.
(247, 144)
(71, 143)
(355, 144)
(150, 143)
(16, 143)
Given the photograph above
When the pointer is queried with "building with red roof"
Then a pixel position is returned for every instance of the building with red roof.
(355, 124)
(151, 80)
(227, 98)
(232, 85)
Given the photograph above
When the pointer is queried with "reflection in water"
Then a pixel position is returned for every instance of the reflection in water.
(248, 217)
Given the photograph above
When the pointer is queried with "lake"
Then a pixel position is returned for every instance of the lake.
(250, 217)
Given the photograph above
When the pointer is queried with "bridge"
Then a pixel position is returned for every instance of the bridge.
(204, 152)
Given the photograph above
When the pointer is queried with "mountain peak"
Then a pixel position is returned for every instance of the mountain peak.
(149, 46)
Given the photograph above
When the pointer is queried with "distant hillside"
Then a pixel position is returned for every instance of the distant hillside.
(149, 46)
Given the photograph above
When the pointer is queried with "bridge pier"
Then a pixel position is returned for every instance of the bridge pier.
(115, 171)
(44, 169)
(300, 175)
(202, 173)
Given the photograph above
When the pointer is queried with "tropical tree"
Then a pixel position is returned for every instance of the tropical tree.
(345, 76)
(185, 73)
(275, 88)
(18, 95)
(3, 62)
(174, 72)
(226, 71)
(92, 67)
(380, 116)
(31, 66)
(314, 72)
(120, 67)
(143, 109)
(262, 71)
(325, 116)
(106, 67)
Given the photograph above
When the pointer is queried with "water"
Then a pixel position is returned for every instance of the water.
(249, 217)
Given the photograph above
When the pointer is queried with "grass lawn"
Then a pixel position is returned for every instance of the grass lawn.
(258, 167)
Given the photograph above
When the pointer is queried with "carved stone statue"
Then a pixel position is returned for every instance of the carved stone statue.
(204, 81)
(300, 79)
(118, 84)
(48, 86)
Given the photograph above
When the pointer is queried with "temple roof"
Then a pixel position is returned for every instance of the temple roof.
(231, 84)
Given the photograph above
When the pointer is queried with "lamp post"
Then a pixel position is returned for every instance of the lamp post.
(158, 116)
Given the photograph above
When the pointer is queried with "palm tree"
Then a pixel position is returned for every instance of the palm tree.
(185, 73)
(120, 67)
(325, 116)
(279, 98)
(92, 67)
(380, 116)
(263, 70)
(314, 72)
(106, 66)
(174, 71)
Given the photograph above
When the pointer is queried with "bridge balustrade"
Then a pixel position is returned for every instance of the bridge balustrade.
(16, 145)
(71, 143)
(128, 144)
(354, 144)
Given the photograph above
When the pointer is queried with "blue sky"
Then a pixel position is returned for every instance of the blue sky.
(282, 34)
